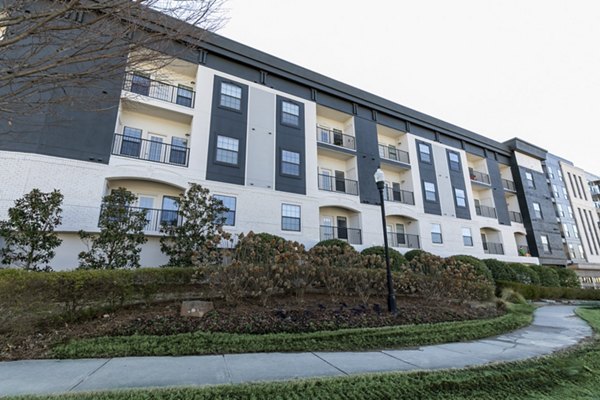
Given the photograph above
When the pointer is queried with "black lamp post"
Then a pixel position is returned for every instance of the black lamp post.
(380, 180)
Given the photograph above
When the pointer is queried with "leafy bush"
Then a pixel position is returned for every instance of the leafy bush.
(535, 292)
(567, 277)
(335, 242)
(548, 276)
(343, 257)
(524, 274)
(397, 260)
(479, 266)
(500, 270)
(262, 248)
(511, 296)
(409, 255)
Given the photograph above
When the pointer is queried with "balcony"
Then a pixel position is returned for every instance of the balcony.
(485, 211)
(394, 154)
(509, 185)
(351, 235)
(333, 184)
(140, 84)
(335, 137)
(400, 196)
(150, 150)
(156, 218)
(523, 251)
(404, 240)
(479, 177)
(516, 217)
(493, 248)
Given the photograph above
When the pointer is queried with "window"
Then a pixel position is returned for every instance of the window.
(454, 160)
(550, 172)
(559, 210)
(555, 191)
(570, 209)
(178, 151)
(537, 210)
(231, 96)
(436, 233)
(140, 83)
(290, 217)
(132, 142)
(566, 231)
(467, 237)
(290, 113)
(565, 193)
(227, 150)
(571, 252)
(169, 214)
(560, 175)
(290, 163)
(545, 244)
(230, 203)
(461, 200)
(530, 182)
(430, 194)
(575, 231)
(185, 96)
(581, 251)
(425, 153)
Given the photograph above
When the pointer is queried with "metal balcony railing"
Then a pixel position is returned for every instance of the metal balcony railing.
(335, 137)
(509, 185)
(485, 211)
(479, 177)
(351, 235)
(140, 84)
(400, 196)
(516, 216)
(393, 153)
(493, 248)
(155, 217)
(333, 184)
(404, 240)
(150, 150)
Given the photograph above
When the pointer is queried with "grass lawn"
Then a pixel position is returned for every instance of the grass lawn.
(573, 374)
(340, 340)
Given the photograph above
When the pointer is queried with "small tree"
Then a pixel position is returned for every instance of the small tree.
(29, 234)
(121, 234)
(195, 240)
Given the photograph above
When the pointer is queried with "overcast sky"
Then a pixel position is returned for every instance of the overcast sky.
(502, 68)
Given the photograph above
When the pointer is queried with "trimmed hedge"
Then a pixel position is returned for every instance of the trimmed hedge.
(409, 255)
(567, 277)
(335, 242)
(536, 292)
(397, 260)
(548, 276)
(477, 264)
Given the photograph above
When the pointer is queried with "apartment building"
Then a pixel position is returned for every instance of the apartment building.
(292, 153)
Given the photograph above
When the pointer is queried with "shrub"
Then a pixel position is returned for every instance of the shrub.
(426, 263)
(343, 257)
(524, 274)
(261, 248)
(567, 277)
(409, 255)
(479, 266)
(548, 276)
(511, 296)
(335, 242)
(397, 260)
(500, 270)
(535, 292)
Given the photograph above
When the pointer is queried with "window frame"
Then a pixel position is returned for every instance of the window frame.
(284, 113)
(298, 219)
(425, 191)
(223, 149)
(451, 162)
(464, 197)
(545, 244)
(230, 96)
(470, 236)
(284, 162)
(538, 211)
(435, 232)
(229, 210)
(530, 180)
(428, 147)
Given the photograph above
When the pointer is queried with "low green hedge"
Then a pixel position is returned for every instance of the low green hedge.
(536, 292)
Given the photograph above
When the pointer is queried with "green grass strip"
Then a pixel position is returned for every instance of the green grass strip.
(573, 374)
(340, 340)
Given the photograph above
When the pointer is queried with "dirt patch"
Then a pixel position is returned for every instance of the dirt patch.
(316, 313)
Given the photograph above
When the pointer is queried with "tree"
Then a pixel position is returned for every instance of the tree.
(29, 234)
(53, 49)
(118, 245)
(196, 237)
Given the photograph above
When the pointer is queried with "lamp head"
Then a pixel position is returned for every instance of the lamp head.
(379, 176)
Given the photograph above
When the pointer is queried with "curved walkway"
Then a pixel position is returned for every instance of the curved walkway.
(554, 328)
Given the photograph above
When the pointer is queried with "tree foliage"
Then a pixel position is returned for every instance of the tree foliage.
(196, 238)
(118, 245)
(29, 234)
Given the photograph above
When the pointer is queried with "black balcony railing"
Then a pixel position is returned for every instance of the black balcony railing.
(509, 185)
(335, 137)
(351, 235)
(493, 248)
(404, 240)
(485, 211)
(333, 184)
(156, 218)
(516, 216)
(393, 153)
(150, 150)
(479, 177)
(400, 196)
(140, 84)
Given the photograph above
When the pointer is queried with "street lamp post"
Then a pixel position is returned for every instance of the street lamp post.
(391, 300)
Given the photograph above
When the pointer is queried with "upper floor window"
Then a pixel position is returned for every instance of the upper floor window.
(436, 233)
(231, 96)
(550, 172)
(140, 83)
(290, 217)
(555, 191)
(565, 193)
(467, 237)
(230, 203)
(545, 244)
(178, 154)
(131, 142)
(537, 210)
(575, 231)
(454, 160)
(566, 231)
(461, 200)
(530, 182)
(430, 192)
(290, 163)
(559, 210)
(425, 153)
(570, 210)
(227, 149)
(185, 96)
(560, 175)
(290, 113)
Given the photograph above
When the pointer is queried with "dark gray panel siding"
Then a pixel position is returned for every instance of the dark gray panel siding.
(291, 139)
(335, 103)
(367, 159)
(231, 123)
(422, 132)
(391, 122)
(498, 192)
(427, 173)
(457, 180)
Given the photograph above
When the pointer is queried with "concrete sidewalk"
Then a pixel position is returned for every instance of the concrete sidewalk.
(554, 328)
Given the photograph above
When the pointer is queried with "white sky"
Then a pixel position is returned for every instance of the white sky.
(501, 68)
